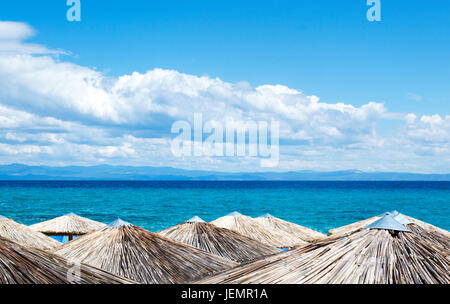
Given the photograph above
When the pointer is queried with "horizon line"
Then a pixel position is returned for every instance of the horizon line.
(227, 172)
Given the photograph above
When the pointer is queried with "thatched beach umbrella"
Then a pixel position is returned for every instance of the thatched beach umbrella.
(24, 236)
(377, 255)
(249, 227)
(23, 265)
(404, 219)
(69, 225)
(219, 241)
(300, 232)
(142, 256)
(438, 235)
(428, 227)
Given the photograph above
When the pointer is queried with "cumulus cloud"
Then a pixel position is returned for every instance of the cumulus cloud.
(15, 31)
(157, 98)
(431, 129)
(57, 112)
(13, 35)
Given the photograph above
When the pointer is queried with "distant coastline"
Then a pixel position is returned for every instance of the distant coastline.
(128, 173)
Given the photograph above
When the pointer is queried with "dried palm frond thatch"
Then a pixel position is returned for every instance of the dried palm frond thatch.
(358, 225)
(300, 232)
(353, 226)
(436, 234)
(364, 256)
(142, 256)
(23, 265)
(428, 227)
(68, 225)
(24, 236)
(249, 227)
(219, 241)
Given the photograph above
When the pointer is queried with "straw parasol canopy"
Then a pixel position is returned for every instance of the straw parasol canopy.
(24, 236)
(23, 265)
(437, 235)
(68, 225)
(251, 228)
(404, 219)
(130, 251)
(300, 232)
(428, 227)
(365, 256)
(219, 241)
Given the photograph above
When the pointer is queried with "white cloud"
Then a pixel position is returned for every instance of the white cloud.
(14, 137)
(156, 98)
(12, 35)
(15, 31)
(410, 118)
(429, 129)
(57, 112)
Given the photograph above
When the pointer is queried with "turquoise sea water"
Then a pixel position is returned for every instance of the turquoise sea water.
(158, 205)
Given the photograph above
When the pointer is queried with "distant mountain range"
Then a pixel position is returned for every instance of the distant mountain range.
(106, 172)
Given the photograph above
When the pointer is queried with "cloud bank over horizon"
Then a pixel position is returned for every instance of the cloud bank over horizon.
(55, 112)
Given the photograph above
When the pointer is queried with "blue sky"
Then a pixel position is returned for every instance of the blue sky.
(322, 48)
(301, 44)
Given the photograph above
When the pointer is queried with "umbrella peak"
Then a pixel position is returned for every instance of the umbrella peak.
(388, 222)
(119, 223)
(71, 214)
(392, 213)
(399, 217)
(235, 213)
(195, 219)
(267, 215)
(402, 219)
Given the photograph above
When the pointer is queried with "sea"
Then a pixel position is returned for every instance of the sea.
(156, 205)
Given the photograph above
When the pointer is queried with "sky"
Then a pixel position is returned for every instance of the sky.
(348, 93)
